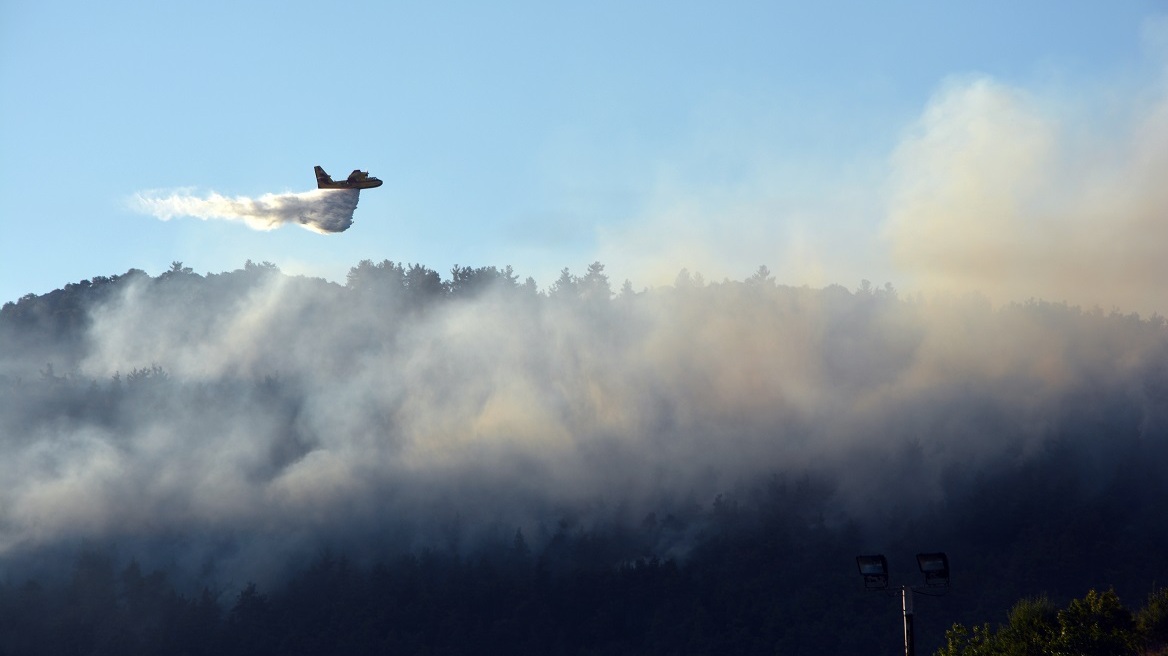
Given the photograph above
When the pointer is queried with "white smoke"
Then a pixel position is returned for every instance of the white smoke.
(503, 404)
(320, 210)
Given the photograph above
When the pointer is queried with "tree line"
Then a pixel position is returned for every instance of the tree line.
(766, 566)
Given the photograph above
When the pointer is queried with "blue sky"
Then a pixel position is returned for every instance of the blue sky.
(709, 136)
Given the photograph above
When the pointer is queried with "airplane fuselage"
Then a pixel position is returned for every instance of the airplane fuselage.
(358, 179)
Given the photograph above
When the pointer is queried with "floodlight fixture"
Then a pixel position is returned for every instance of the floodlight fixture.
(874, 569)
(935, 567)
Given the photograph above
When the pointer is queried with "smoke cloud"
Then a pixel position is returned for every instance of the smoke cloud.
(242, 416)
(320, 210)
(1019, 194)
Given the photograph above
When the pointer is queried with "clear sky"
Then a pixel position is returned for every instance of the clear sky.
(829, 141)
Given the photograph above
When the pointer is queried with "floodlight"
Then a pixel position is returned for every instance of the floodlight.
(874, 569)
(935, 567)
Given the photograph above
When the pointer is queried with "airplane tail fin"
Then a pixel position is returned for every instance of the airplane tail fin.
(322, 178)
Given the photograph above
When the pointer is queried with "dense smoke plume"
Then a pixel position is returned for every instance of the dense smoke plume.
(320, 210)
(1013, 192)
(251, 413)
(1016, 194)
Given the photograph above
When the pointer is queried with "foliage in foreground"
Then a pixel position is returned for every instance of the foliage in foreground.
(1096, 625)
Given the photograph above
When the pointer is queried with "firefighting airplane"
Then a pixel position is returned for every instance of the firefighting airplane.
(358, 179)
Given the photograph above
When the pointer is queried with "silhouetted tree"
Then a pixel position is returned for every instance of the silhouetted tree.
(566, 286)
(594, 285)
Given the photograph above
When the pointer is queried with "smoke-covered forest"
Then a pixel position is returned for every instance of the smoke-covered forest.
(252, 462)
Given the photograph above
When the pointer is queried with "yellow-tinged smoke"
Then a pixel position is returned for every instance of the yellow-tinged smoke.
(1019, 196)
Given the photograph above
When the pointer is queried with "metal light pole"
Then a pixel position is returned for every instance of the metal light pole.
(935, 567)
(906, 601)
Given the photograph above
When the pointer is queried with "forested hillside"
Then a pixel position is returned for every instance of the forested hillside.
(251, 461)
